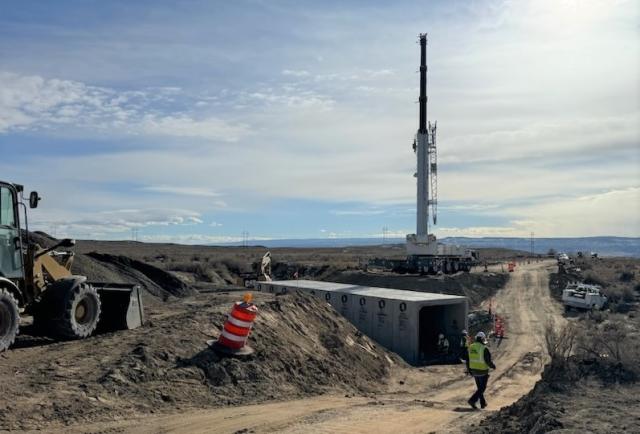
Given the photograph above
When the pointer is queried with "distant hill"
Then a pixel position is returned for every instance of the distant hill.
(604, 246)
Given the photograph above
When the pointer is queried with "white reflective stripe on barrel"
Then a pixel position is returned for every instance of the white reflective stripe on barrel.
(233, 337)
(239, 323)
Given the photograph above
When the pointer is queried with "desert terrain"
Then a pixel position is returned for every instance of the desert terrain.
(312, 371)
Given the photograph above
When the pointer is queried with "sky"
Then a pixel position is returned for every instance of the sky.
(196, 121)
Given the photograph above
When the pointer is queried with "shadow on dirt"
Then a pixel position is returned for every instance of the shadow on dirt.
(29, 339)
(464, 410)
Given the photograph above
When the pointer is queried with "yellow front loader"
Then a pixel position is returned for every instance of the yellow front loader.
(38, 281)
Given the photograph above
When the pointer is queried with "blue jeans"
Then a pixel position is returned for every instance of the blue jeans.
(481, 385)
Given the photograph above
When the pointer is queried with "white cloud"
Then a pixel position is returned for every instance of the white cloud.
(295, 72)
(288, 97)
(182, 191)
(185, 126)
(613, 213)
(114, 222)
(356, 212)
(199, 239)
(528, 121)
(45, 104)
(480, 231)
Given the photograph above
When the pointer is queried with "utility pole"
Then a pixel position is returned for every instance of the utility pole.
(385, 230)
(532, 250)
(245, 239)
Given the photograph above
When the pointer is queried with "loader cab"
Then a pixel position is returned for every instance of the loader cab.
(11, 266)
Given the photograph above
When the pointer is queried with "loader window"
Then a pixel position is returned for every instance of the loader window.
(7, 213)
(10, 255)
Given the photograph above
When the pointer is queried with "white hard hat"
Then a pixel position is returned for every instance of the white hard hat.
(481, 335)
(464, 332)
(441, 336)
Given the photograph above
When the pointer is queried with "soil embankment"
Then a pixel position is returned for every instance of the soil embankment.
(415, 400)
(581, 395)
(305, 351)
(303, 348)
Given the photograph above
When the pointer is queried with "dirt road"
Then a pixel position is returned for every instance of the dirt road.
(418, 400)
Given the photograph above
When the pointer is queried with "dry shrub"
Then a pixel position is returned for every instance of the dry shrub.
(560, 342)
(627, 276)
(593, 279)
(611, 343)
(606, 350)
(235, 265)
(606, 340)
(618, 294)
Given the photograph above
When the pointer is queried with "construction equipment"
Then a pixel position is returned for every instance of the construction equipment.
(38, 281)
(424, 254)
(583, 297)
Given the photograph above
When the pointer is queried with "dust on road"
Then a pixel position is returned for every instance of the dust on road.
(419, 400)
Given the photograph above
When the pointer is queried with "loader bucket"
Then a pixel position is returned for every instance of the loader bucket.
(121, 306)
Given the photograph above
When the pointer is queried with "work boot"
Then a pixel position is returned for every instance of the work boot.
(483, 404)
(472, 404)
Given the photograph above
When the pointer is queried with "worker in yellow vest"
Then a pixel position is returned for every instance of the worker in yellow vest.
(478, 360)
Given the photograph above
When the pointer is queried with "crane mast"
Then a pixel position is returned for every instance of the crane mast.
(422, 242)
(424, 254)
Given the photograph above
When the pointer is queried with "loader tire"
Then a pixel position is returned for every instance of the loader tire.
(9, 319)
(73, 310)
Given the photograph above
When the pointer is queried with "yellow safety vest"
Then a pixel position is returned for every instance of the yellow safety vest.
(476, 357)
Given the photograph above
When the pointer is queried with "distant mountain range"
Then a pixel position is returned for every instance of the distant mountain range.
(604, 246)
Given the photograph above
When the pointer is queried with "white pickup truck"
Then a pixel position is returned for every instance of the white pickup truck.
(583, 296)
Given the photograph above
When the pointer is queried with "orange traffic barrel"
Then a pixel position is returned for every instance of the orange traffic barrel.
(234, 335)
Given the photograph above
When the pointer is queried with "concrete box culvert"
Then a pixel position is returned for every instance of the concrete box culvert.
(406, 322)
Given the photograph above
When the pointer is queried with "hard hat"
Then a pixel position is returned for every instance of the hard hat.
(440, 336)
(464, 332)
(481, 335)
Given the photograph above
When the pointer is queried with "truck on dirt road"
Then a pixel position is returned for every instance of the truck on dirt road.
(583, 297)
(38, 281)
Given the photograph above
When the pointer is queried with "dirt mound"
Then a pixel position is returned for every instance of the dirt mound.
(158, 282)
(302, 348)
(286, 270)
(101, 267)
(584, 395)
